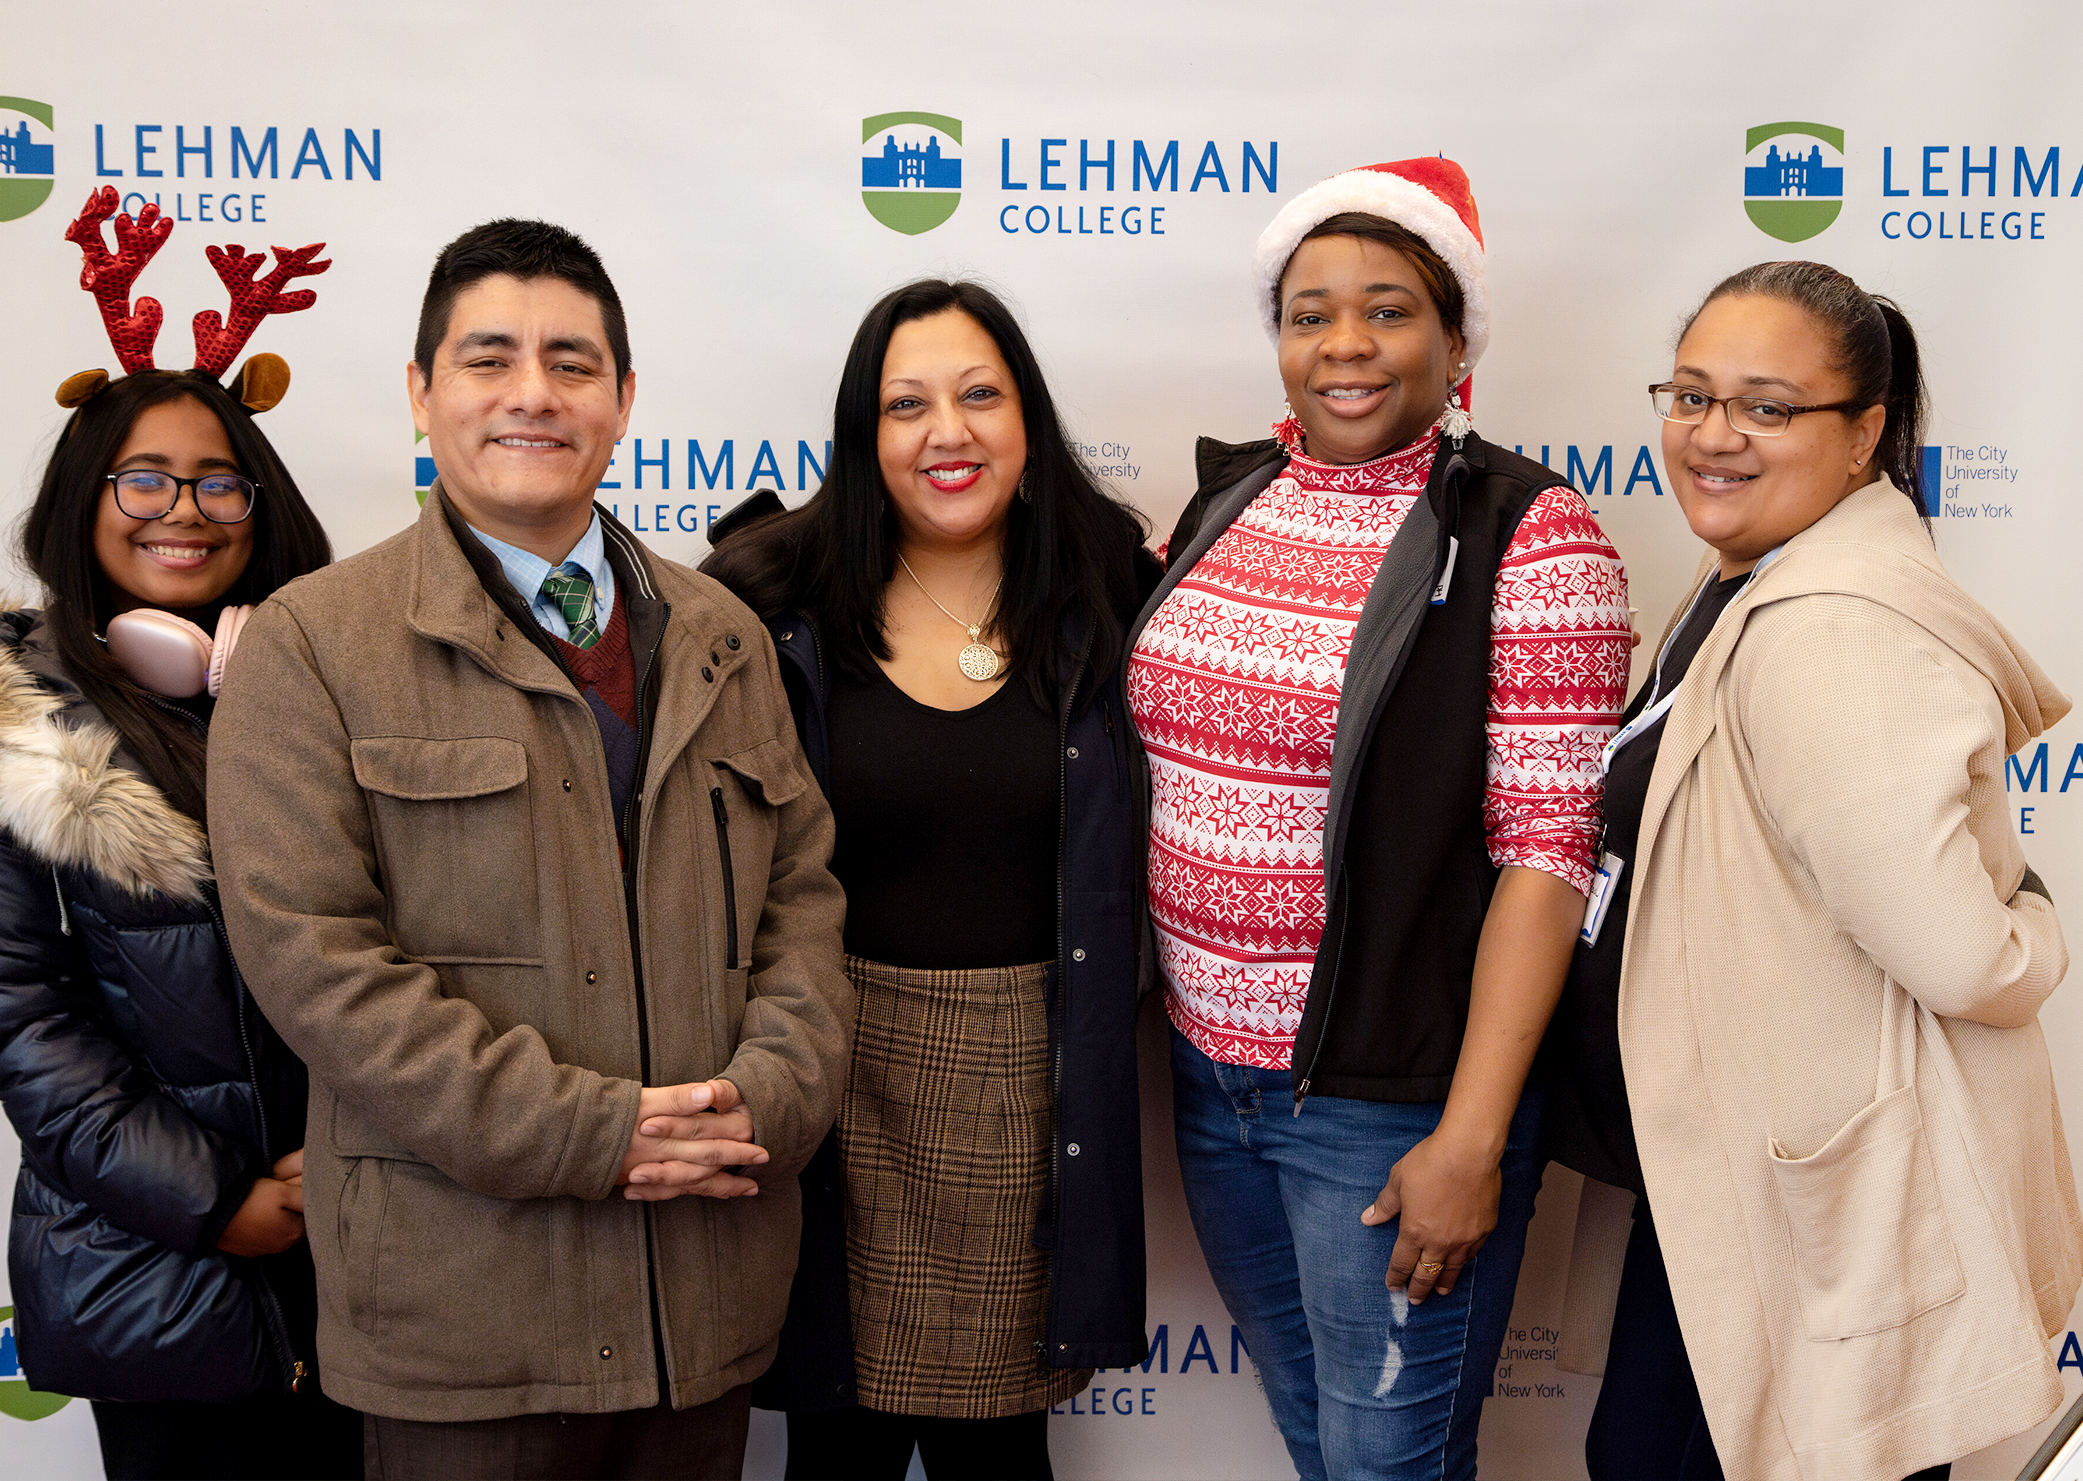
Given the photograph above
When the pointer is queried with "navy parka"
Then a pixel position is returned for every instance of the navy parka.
(146, 1087)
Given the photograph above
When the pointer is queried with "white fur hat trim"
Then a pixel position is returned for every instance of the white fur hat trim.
(1378, 193)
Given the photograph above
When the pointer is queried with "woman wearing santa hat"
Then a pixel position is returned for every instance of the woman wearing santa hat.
(1373, 688)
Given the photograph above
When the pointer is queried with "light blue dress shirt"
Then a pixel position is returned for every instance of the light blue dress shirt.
(526, 572)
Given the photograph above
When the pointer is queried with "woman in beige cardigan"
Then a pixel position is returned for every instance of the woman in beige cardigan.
(1805, 1027)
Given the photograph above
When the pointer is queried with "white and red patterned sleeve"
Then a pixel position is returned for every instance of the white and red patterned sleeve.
(1558, 682)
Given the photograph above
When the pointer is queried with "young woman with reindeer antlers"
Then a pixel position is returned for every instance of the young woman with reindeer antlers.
(156, 1254)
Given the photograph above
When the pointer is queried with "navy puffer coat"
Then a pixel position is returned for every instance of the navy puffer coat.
(147, 1089)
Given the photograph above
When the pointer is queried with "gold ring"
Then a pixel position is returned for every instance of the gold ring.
(1430, 1267)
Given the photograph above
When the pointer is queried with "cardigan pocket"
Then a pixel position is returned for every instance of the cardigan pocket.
(455, 846)
(1872, 1248)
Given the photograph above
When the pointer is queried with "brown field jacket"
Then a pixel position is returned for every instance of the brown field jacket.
(418, 859)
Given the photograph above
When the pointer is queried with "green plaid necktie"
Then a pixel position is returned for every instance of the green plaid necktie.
(572, 596)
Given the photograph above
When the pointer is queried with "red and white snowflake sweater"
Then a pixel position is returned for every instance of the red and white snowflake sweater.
(1234, 688)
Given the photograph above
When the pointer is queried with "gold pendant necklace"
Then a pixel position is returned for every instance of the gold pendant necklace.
(977, 661)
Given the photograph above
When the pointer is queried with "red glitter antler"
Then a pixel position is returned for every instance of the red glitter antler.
(108, 275)
(217, 342)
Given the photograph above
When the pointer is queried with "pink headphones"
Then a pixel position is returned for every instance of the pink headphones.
(170, 655)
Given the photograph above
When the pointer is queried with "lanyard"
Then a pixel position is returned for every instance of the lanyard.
(1659, 702)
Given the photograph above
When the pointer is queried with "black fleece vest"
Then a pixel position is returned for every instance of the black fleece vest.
(1408, 876)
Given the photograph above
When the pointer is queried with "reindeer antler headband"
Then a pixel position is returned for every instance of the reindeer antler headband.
(263, 380)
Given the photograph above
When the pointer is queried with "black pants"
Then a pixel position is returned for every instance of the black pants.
(862, 1444)
(705, 1443)
(305, 1436)
(1649, 1424)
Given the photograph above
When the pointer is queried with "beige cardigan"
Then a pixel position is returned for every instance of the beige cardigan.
(1828, 1004)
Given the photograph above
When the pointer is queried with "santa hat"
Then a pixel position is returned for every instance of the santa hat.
(1428, 197)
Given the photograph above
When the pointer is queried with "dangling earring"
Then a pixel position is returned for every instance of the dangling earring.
(1288, 430)
(1454, 421)
(1020, 488)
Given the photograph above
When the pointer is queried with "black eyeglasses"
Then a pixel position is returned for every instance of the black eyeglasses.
(1753, 416)
(222, 498)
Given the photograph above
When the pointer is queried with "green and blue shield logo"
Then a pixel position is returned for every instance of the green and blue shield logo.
(17, 1399)
(28, 155)
(1793, 178)
(911, 169)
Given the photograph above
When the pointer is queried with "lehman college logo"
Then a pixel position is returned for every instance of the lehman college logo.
(26, 156)
(912, 181)
(16, 1397)
(1793, 193)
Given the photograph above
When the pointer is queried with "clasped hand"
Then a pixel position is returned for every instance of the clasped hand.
(1448, 1204)
(690, 1139)
(271, 1218)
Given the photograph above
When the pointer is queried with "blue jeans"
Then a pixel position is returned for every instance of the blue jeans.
(1362, 1383)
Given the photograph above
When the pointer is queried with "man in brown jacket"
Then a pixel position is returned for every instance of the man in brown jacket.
(518, 850)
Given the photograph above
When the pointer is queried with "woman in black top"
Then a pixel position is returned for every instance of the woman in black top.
(949, 611)
(1588, 1124)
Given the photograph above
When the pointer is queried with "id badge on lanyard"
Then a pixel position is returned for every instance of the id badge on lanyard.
(1601, 898)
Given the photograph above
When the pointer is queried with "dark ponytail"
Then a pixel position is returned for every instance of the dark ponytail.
(1874, 349)
(1901, 450)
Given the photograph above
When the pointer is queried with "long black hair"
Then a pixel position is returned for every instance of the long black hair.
(58, 545)
(1872, 347)
(1070, 547)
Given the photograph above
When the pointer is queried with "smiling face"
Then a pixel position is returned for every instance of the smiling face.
(521, 409)
(951, 440)
(180, 562)
(1743, 494)
(1365, 359)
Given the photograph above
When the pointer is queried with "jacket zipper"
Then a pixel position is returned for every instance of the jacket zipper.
(171, 708)
(730, 888)
(278, 1325)
(1451, 485)
(1323, 1030)
(278, 1329)
(1070, 697)
(238, 983)
(630, 815)
(1114, 750)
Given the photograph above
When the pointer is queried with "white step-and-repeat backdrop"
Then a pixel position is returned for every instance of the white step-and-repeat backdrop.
(1107, 167)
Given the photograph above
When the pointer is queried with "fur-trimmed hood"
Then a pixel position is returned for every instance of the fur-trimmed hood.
(66, 800)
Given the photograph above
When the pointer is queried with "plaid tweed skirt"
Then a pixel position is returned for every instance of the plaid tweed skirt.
(945, 1133)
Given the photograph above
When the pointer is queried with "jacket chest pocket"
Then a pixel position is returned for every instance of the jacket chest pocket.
(455, 846)
(745, 790)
